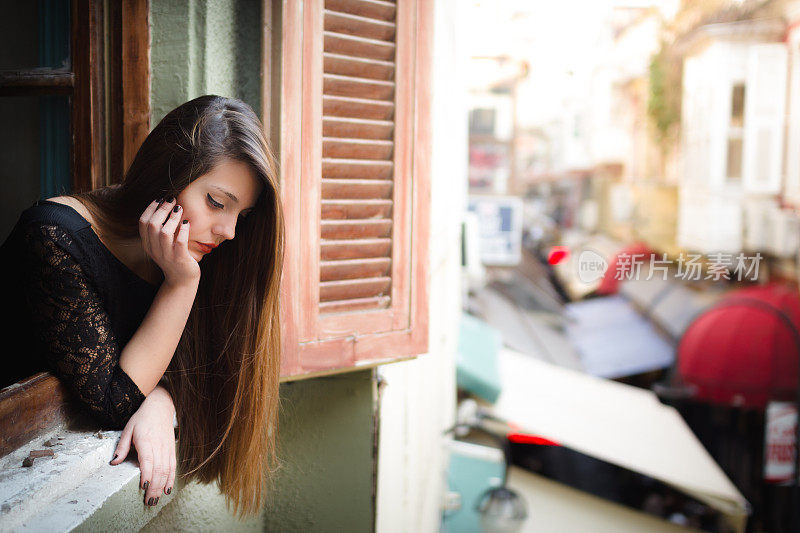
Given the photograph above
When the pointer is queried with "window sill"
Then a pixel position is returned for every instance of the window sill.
(75, 487)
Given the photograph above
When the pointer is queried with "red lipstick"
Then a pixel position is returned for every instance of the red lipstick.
(205, 247)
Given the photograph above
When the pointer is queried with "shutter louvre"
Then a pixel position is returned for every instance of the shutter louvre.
(358, 67)
(334, 147)
(358, 92)
(339, 106)
(355, 139)
(375, 9)
(337, 209)
(357, 128)
(355, 268)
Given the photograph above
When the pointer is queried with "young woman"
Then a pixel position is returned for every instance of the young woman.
(157, 299)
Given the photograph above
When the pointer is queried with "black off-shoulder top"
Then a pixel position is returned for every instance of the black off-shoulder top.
(71, 306)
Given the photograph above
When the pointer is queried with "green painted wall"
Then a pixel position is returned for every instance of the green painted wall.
(326, 432)
(326, 444)
(204, 47)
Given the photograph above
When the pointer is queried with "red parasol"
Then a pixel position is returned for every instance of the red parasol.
(745, 350)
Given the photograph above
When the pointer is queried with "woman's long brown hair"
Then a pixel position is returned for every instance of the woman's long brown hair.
(224, 376)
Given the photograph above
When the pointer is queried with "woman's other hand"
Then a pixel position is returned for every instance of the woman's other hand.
(152, 433)
(165, 238)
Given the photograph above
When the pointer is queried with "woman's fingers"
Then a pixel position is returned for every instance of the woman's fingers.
(182, 239)
(144, 222)
(172, 467)
(154, 227)
(159, 480)
(146, 467)
(123, 446)
(167, 234)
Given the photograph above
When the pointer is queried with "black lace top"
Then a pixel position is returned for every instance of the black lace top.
(72, 307)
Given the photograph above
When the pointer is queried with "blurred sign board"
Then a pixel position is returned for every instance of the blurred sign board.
(500, 228)
(779, 448)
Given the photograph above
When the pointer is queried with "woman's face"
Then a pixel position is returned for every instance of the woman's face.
(213, 203)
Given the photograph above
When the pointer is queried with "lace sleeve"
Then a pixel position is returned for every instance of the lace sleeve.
(75, 330)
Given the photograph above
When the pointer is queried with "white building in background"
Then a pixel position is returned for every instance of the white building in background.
(733, 123)
(617, 113)
(792, 161)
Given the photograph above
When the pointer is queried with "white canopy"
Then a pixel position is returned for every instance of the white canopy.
(617, 423)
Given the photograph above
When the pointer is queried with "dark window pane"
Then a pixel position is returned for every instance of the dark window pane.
(35, 158)
(34, 34)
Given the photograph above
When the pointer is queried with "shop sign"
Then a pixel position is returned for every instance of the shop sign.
(779, 448)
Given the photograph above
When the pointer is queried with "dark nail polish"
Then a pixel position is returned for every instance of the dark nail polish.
(150, 502)
(169, 199)
(185, 221)
(156, 502)
(146, 484)
(115, 456)
(161, 200)
(176, 209)
(169, 490)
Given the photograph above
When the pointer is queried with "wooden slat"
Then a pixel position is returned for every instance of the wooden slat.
(135, 80)
(359, 108)
(30, 408)
(311, 134)
(355, 288)
(356, 304)
(339, 43)
(355, 229)
(357, 87)
(358, 67)
(88, 97)
(355, 249)
(348, 24)
(354, 268)
(289, 128)
(36, 81)
(374, 9)
(348, 209)
(357, 128)
(356, 168)
(356, 148)
(347, 189)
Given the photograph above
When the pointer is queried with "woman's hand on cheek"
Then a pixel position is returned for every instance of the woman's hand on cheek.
(165, 238)
(151, 431)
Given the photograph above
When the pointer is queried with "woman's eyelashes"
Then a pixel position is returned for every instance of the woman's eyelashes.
(218, 205)
(214, 203)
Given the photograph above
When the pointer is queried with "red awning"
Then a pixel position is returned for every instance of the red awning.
(745, 350)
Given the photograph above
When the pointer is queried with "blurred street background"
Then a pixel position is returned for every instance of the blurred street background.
(634, 186)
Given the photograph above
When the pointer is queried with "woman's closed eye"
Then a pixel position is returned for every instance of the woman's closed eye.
(214, 203)
(218, 205)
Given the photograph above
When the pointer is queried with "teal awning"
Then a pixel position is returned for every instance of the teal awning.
(476, 367)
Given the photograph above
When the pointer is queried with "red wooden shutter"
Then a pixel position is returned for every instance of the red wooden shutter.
(355, 181)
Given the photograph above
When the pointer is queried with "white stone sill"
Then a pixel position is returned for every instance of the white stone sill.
(74, 490)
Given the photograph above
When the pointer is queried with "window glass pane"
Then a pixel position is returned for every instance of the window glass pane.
(734, 158)
(35, 159)
(737, 105)
(481, 121)
(34, 34)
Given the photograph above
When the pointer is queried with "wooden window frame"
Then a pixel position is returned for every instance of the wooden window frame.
(108, 127)
(314, 344)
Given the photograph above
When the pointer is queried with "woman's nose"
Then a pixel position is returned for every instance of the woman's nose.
(226, 230)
